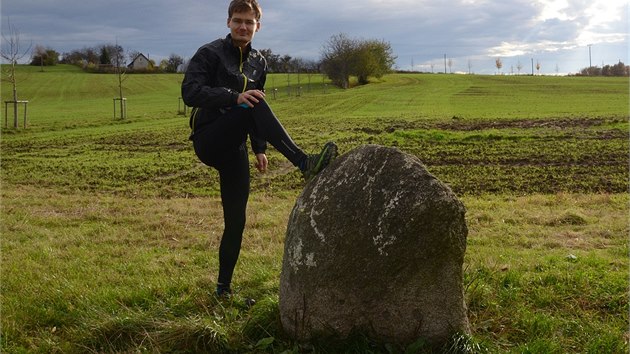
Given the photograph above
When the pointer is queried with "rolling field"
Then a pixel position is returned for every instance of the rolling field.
(110, 227)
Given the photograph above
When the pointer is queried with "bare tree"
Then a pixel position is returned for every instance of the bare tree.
(499, 64)
(450, 65)
(12, 52)
(538, 67)
(338, 59)
(133, 55)
(519, 67)
(311, 67)
(119, 63)
(40, 52)
(469, 66)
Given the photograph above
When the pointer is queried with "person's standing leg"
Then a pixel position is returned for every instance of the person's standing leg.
(222, 146)
(234, 180)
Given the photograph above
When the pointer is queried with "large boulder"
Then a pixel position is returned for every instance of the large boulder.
(375, 244)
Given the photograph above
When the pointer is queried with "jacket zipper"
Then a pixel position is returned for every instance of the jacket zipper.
(241, 69)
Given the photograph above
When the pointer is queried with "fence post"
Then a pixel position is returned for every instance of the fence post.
(123, 107)
(25, 105)
(16, 110)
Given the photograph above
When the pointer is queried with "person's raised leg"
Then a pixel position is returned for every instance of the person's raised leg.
(267, 126)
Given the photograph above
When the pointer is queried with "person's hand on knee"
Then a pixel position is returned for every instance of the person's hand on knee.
(250, 97)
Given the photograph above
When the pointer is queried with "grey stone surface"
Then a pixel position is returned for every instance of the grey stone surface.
(375, 243)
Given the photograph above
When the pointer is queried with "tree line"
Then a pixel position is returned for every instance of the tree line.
(619, 69)
(342, 57)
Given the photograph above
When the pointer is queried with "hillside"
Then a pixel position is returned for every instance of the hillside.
(479, 133)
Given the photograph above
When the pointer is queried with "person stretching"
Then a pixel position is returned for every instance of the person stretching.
(224, 84)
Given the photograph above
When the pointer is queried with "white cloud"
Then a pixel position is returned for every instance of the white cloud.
(421, 31)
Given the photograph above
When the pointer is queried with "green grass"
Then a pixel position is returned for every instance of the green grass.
(110, 228)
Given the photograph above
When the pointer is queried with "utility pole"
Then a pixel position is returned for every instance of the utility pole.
(590, 63)
(532, 66)
(445, 63)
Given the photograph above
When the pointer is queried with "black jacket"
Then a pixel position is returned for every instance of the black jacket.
(215, 76)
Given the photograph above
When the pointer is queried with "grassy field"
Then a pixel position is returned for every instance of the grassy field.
(110, 227)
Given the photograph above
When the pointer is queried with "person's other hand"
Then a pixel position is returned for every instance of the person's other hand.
(250, 97)
(261, 162)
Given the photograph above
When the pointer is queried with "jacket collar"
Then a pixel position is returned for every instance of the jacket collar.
(228, 42)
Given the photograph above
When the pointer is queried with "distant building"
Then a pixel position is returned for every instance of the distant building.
(140, 62)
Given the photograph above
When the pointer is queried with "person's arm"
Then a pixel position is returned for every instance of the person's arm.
(197, 89)
(259, 145)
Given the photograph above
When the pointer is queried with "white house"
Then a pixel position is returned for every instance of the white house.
(140, 62)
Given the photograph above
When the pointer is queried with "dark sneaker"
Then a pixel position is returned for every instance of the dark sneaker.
(317, 162)
(223, 291)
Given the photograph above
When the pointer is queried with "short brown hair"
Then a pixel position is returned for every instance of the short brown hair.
(244, 6)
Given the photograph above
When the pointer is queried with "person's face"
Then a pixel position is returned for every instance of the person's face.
(243, 26)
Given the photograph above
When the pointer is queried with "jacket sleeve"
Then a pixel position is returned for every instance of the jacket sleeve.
(197, 87)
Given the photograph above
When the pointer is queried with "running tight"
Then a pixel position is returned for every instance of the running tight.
(222, 145)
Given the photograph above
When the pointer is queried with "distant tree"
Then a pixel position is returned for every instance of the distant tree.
(163, 65)
(337, 59)
(12, 52)
(133, 54)
(112, 54)
(44, 57)
(311, 67)
(343, 57)
(173, 62)
(450, 65)
(499, 64)
(619, 69)
(91, 55)
(374, 59)
(273, 61)
(469, 66)
(104, 58)
(538, 67)
(118, 60)
(591, 71)
(519, 67)
(38, 56)
(74, 57)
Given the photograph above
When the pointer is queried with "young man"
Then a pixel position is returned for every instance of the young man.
(224, 83)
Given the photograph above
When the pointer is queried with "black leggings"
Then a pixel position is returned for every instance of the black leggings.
(222, 145)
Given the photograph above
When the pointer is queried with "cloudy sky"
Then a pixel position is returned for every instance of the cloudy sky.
(472, 33)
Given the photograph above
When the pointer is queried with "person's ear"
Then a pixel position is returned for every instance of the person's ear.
(228, 22)
(257, 26)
